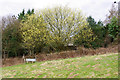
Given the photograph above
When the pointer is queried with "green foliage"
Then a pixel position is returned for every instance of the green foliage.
(113, 27)
(11, 38)
(98, 31)
(23, 15)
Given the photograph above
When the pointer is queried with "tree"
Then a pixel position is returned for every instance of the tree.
(63, 24)
(113, 28)
(112, 23)
(11, 37)
(112, 12)
(84, 37)
(22, 15)
(98, 30)
(33, 32)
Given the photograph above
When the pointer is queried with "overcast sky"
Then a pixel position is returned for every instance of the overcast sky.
(96, 8)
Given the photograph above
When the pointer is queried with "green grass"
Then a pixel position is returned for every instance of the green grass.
(98, 66)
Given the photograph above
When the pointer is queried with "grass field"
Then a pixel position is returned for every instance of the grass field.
(98, 66)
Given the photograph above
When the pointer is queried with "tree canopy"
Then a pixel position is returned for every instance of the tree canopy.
(52, 29)
(64, 23)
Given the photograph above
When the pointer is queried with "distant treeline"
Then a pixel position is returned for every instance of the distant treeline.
(52, 29)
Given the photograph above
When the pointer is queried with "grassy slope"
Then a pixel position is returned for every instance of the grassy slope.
(105, 66)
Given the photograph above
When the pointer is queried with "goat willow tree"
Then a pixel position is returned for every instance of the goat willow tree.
(65, 25)
(33, 32)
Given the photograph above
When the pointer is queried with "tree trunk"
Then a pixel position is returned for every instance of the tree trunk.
(30, 52)
(4, 56)
(15, 54)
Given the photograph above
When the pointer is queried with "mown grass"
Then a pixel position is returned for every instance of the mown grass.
(98, 66)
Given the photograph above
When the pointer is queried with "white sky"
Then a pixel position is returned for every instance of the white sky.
(96, 8)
